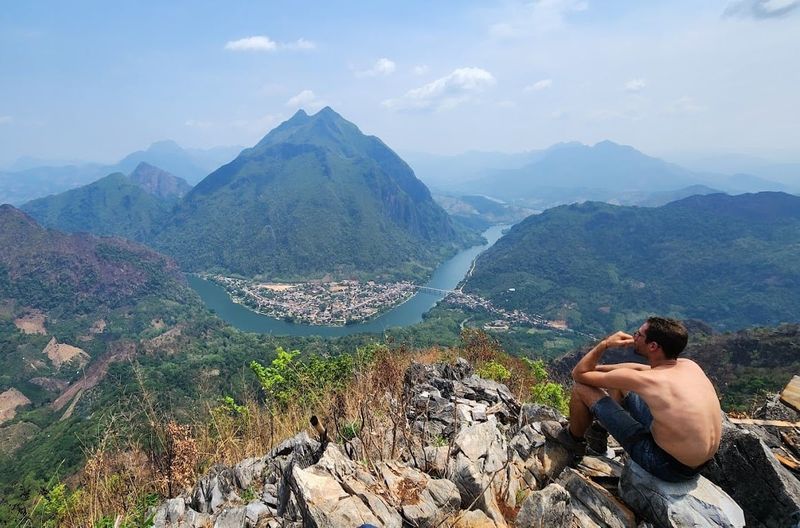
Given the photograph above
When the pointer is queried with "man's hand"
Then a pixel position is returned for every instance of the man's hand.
(589, 362)
(618, 340)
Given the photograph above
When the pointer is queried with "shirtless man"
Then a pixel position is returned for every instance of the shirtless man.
(666, 415)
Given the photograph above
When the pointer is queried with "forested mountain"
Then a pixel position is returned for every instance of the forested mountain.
(315, 196)
(45, 269)
(733, 261)
(113, 205)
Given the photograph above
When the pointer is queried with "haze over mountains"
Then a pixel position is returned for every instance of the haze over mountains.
(573, 172)
(26, 180)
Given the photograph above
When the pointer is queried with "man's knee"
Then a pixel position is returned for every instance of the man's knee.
(587, 394)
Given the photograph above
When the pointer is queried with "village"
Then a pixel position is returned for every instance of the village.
(317, 303)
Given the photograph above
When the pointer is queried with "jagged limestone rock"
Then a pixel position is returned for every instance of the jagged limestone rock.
(547, 508)
(423, 501)
(748, 471)
(594, 501)
(697, 502)
(474, 519)
(255, 511)
(533, 412)
(249, 471)
(335, 492)
(215, 489)
(232, 518)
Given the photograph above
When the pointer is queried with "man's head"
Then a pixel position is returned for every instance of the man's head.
(668, 334)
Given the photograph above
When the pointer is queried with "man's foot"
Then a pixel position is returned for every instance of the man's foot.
(597, 439)
(561, 435)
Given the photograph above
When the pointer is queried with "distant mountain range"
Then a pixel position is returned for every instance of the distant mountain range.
(314, 197)
(732, 261)
(26, 181)
(573, 172)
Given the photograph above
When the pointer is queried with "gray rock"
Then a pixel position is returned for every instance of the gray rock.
(249, 471)
(596, 502)
(175, 510)
(533, 412)
(526, 442)
(748, 471)
(422, 500)
(474, 487)
(333, 493)
(232, 518)
(547, 508)
(215, 489)
(773, 409)
(256, 511)
(697, 502)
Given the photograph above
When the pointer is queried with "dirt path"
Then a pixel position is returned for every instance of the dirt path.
(95, 373)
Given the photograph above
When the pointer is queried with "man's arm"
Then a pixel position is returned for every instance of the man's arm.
(618, 377)
(615, 366)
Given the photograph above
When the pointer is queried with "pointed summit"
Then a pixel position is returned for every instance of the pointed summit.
(159, 182)
(315, 196)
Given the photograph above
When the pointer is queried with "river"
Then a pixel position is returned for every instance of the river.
(445, 277)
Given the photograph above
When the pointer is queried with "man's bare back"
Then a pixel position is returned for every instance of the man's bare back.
(686, 411)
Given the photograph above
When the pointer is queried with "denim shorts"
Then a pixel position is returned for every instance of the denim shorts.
(629, 423)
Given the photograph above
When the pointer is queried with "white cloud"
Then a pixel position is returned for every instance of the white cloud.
(382, 66)
(5, 120)
(421, 69)
(539, 85)
(447, 92)
(264, 43)
(635, 85)
(257, 43)
(305, 99)
(532, 18)
(761, 9)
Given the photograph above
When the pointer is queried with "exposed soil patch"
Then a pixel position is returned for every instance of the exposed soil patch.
(118, 351)
(9, 401)
(60, 353)
(14, 436)
(158, 324)
(31, 323)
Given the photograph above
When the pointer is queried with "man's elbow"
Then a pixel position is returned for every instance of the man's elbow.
(577, 375)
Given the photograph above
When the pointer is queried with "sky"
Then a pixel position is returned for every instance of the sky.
(96, 80)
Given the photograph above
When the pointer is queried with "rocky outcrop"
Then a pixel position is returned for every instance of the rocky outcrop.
(745, 467)
(697, 502)
(478, 458)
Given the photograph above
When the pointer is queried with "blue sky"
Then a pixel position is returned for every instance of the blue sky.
(97, 80)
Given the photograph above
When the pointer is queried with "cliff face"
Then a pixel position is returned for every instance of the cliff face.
(469, 454)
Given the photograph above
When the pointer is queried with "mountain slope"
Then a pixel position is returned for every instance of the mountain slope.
(113, 205)
(158, 182)
(733, 261)
(315, 196)
(46, 269)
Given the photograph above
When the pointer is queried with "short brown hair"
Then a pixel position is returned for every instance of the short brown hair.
(670, 334)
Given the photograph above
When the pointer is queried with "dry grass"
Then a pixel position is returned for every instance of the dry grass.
(369, 409)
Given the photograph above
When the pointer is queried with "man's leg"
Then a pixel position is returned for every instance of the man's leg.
(581, 401)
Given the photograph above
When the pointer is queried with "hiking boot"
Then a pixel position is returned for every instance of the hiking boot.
(560, 434)
(596, 439)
